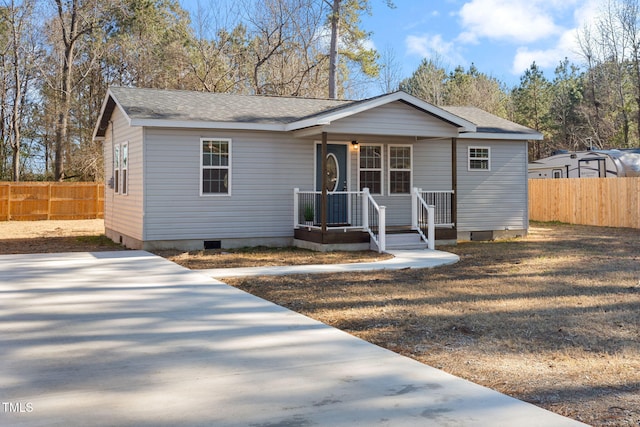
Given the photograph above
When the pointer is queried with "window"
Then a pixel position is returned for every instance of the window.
(479, 158)
(370, 165)
(124, 166)
(400, 165)
(116, 168)
(216, 166)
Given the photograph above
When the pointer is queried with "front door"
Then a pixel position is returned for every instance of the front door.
(337, 181)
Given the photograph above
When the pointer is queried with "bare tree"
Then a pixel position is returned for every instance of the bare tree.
(390, 71)
(75, 19)
(19, 52)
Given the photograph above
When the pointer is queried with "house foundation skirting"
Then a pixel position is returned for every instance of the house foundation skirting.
(333, 240)
(126, 241)
(486, 235)
(197, 244)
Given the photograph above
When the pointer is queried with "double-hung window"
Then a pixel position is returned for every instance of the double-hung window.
(479, 159)
(124, 167)
(400, 169)
(120, 168)
(116, 168)
(215, 171)
(370, 165)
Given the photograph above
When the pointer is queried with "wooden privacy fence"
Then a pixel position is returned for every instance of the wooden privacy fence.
(30, 201)
(609, 202)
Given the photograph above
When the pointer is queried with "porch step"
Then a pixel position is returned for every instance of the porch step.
(405, 241)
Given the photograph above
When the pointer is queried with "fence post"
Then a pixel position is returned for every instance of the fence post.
(9, 203)
(382, 233)
(431, 228)
(296, 206)
(365, 208)
(97, 201)
(49, 201)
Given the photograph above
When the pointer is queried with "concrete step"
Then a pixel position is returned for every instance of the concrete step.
(405, 241)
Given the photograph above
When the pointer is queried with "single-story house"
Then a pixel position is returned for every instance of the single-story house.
(195, 170)
(614, 163)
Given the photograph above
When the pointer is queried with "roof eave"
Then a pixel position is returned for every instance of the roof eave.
(108, 107)
(201, 124)
(506, 135)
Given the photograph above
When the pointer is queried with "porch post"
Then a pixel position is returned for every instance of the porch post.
(365, 208)
(414, 208)
(296, 206)
(323, 197)
(431, 228)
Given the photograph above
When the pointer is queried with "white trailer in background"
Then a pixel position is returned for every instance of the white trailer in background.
(588, 164)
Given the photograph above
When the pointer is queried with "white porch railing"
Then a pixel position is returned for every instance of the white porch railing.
(357, 211)
(423, 218)
(442, 201)
(375, 220)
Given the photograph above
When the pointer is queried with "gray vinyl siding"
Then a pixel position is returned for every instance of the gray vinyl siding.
(396, 118)
(265, 168)
(124, 213)
(495, 199)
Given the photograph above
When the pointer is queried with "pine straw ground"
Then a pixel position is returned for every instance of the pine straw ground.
(552, 319)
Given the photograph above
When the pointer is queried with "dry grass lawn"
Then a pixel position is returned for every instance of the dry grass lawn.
(262, 256)
(553, 319)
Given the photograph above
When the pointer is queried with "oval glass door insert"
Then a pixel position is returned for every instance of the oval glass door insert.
(332, 172)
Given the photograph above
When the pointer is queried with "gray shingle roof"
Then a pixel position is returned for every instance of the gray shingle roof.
(179, 105)
(175, 106)
(487, 122)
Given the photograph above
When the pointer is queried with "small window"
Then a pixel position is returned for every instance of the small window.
(400, 165)
(116, 168)
(215, 167)
(479, 158)
(370, 165)
(124, 167)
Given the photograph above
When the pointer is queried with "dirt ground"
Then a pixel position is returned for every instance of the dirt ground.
(23, 237)
(552, 319)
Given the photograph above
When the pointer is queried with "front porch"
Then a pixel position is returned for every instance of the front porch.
(353, 220)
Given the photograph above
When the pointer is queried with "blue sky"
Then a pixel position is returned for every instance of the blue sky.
(501, 37)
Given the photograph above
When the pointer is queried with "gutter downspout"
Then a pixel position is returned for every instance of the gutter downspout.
(454, 183)
(323, 198)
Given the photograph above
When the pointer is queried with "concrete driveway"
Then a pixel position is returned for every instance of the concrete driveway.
(128, 338)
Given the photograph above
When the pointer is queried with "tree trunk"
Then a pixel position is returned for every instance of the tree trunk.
(17, 96)
(333, 50)
(69, 36)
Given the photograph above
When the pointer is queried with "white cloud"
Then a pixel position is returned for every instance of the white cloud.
(565, 46)
(511, 20)
(428, 46)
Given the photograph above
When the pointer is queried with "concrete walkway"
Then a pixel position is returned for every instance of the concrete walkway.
(401, 260)
(129, 338)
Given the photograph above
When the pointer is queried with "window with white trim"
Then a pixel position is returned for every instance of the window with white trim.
(215, 171)
(400, 169)
(370, 168)
(124, 168)
(479, 159)
(116, 168)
